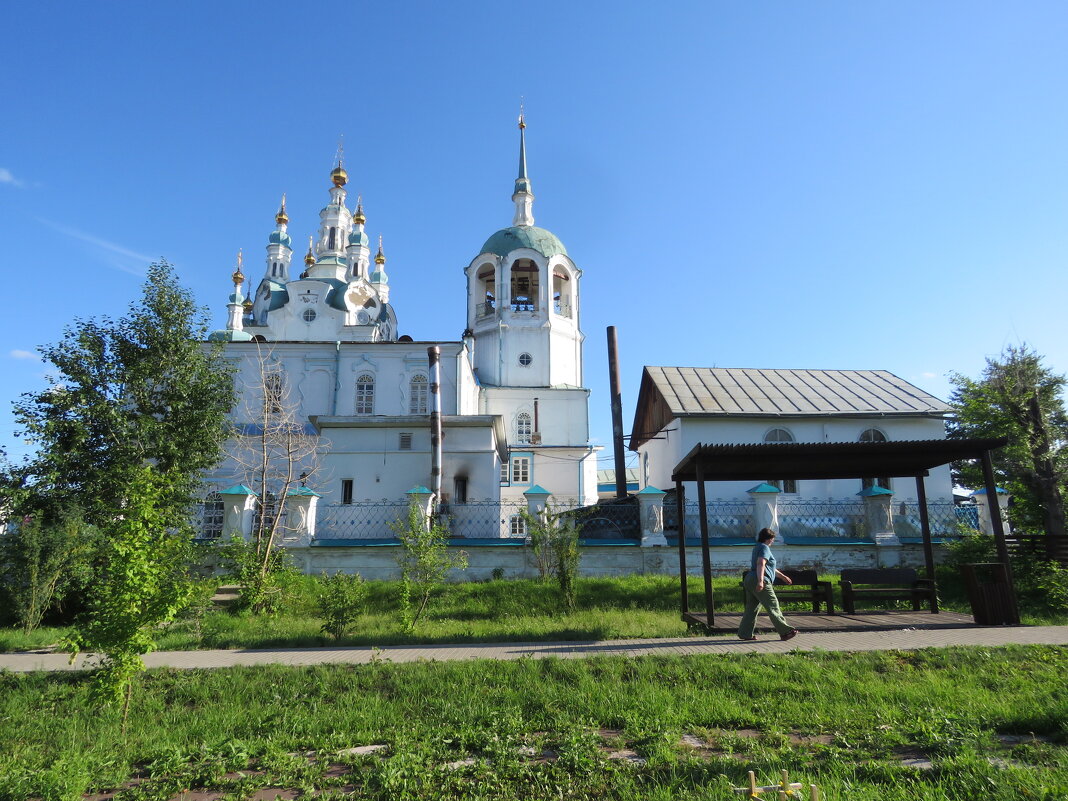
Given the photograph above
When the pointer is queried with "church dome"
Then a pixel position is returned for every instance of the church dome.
(524, 236)
(281, 238)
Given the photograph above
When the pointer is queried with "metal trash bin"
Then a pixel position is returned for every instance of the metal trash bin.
(989, 593)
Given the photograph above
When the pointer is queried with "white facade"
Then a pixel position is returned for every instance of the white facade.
(514, 409)
(679, 408)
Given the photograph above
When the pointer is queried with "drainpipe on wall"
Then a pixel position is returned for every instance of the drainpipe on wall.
(434, 355)
(337, 373)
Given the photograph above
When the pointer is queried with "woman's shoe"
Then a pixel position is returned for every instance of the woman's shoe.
(788, 635)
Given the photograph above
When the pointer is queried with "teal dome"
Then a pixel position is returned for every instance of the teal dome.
(280, 238)
(358, 238)
(524, 236)
(229, 336)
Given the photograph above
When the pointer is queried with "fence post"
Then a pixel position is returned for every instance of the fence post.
(423, 499)
(537, 499)
(239, 506)
(986, 523)
(766, 509)
(302, 502)
(879, 515)
(651, 514)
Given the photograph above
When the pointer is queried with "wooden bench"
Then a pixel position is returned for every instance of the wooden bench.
(886, 584)
(806, 587)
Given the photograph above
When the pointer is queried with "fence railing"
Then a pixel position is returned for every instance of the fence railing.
(475, 520)
(945, 518)
(842, 519)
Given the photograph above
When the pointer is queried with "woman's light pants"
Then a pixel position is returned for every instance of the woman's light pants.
(753, 601)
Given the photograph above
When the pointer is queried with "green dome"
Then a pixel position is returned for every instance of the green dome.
(524, 236)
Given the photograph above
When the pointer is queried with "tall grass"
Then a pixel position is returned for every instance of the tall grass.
(838, 720)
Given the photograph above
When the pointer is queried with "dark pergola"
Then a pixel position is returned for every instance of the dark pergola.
(829, 460)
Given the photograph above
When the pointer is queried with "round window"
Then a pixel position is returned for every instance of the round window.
(525, 359)
(309, 315)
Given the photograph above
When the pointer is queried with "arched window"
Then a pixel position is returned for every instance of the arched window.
(365, 394)
(561, 292)
(525, 286)
(873, 435)
(211, 519)
(274, 391)
(524, 427)
(419, 390)
(781, 435)
(487, 291)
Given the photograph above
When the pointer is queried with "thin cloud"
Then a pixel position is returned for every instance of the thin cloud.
(6, 177)
(23, 354)
(108, 247)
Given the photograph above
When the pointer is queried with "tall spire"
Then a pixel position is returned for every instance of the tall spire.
(523, 197)
(236, 308)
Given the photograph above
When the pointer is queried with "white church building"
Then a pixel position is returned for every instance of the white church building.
(514, 408)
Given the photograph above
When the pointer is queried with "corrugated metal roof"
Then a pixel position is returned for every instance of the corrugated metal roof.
(726, 390)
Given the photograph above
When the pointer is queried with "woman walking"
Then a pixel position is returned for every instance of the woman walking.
(758, 590)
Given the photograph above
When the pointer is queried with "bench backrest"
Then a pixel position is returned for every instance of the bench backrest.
(798, 576)
(896, 575)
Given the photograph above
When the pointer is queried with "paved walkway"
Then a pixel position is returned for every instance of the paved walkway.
(902, 639)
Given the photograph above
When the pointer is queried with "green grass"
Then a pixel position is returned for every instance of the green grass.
(840, 721)
(493, 611)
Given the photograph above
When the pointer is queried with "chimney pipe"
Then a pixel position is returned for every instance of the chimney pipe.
(617, 413)
(434, 354)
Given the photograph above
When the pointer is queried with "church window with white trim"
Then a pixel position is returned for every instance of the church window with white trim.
(365, 394)
(419, 389)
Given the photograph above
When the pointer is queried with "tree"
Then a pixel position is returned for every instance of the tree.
(1019, 398)
(424, 561)
(274, 454)
(554, 544)
(140, 584)
(143, 389)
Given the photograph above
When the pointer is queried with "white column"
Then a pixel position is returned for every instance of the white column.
(301, 505)
(766, 509)
(651, 514)
(879, 515)
(537, 500)
(423, 499)
(239, 505)
(986, 525)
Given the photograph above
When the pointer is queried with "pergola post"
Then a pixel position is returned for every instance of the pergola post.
(706, 558)
(925, 529)
(999, 533)
(680, 512)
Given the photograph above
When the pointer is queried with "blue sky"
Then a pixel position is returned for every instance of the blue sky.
(774, 184)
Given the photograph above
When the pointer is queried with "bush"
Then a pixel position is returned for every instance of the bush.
(555, 549)
(40, 563)
(265, 584)
(341, 600)
(424, 561)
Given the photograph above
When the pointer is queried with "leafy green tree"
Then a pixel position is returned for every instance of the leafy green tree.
(424, 560)
(140, 584)
(342, 597)
(142, 389)
(1019, 398)
(554, 546)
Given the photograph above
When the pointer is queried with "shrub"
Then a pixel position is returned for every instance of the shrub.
(424, 561)
(40, 562)
(266, 583)
(555, 548)
(341, 600)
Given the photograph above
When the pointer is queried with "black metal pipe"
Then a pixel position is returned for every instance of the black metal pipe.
(680, 512)
(706, 556)
(434, 355)
(617, 413)
(925, 530)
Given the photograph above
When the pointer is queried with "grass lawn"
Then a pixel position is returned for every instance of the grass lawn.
(935, 724)
(492, 611)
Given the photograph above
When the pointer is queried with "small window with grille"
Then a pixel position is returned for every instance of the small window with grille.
(405, 442)
(346, 490)
(517, 526)
(211, 524)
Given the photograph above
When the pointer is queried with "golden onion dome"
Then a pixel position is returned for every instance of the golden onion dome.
(248, 305)
(357, 216)
(339, 176)
(380, 257)
(281, 217)
(309, 258)
(238, 277)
